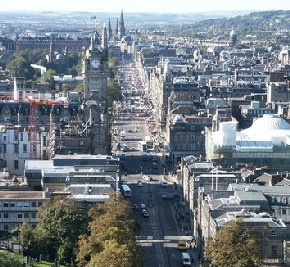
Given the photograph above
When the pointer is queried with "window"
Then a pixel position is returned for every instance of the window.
(5, 215)
(25, 204)
(16, 164)
(284, 211)
(261, 248)
(21, 136)
(16, 136)
(5, 205)
(19, 215)
(12, 205)
(16, 149)
(33, 204)
(274, 251)
(4, 148)
(274, 233)
(24, 148)
(19, 204)
(44, 140)
(39, 204)
(33, 215)
(26, 215)
(6, 227)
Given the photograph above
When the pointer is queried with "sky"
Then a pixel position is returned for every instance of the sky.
(162, 6)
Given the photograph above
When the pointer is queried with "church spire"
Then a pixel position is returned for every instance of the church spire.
(116, 31)
(121, 26)
(110, 33)
(104, 38)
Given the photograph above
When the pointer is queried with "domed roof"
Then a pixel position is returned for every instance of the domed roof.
(268, 126)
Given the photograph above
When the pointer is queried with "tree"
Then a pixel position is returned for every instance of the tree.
(234, 245)
(112, 231)
(7, 261)
(114, 92)
(113, 255)
(61, 223)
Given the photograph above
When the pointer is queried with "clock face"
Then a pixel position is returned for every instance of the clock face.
(95, 63)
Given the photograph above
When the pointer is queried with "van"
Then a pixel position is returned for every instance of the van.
(186, 260)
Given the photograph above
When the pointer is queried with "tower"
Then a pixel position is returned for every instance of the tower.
(110, 32)
(116, 30)
(121, 27)
(104, 38)
(95, 71)
(51, 49)
(233, 38)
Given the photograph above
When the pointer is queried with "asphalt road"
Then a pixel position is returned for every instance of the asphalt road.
(160, 232)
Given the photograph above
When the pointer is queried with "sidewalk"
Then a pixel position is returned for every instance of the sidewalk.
(183, 221)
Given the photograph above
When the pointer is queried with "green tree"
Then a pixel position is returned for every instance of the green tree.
(114, 92)
(61, 224)
(112, 226)
(7, 261)
(113, 255)
(19, 64)
(234, 245)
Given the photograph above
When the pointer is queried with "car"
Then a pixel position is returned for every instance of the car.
(167, 196)
(145, 214)
(147, 178)
(142, 206)
(163, 183)
(139, 184)
(186, 259)
(182, 245)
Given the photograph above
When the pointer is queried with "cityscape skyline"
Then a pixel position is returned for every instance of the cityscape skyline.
(181, 6)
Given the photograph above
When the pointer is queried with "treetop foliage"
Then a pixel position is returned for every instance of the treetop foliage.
(234, 245)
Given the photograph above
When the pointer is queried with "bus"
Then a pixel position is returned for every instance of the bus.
(126, 190)
(142, 146)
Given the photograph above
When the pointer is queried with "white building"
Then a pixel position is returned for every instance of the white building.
(265, 143)
(16, 147)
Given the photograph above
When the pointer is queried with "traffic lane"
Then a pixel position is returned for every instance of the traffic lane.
(152, 250)
(169, 225)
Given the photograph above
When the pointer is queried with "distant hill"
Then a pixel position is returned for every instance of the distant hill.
(256, 23)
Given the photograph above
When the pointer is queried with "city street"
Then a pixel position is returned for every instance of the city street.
(163, 225)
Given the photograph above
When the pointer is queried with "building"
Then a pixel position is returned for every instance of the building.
(17, 207)
(64, 170)
(227, 146)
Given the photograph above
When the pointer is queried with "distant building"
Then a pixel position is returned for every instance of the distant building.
(233, 38)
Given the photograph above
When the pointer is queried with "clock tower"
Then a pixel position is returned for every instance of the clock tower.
(95, 74)
(95, 71)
